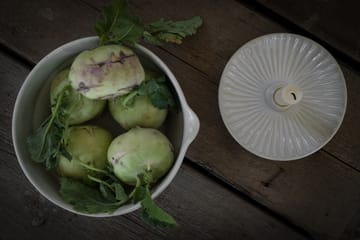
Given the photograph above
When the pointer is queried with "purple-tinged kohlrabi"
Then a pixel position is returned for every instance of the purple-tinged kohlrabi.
(106, 72)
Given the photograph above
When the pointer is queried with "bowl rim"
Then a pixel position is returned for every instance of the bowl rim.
(190, 130)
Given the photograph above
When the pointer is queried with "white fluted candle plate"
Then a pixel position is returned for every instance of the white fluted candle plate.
(282, 96)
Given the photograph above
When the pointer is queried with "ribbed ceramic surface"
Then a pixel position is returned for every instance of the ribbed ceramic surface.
(303, 128)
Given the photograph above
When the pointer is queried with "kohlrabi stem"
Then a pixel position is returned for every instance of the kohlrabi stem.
(148, 167)
(127, 32)
(53, 116)
(129, 97)
(93, 168)
(98, 170)
(66, 120)
(101, 182)
(138, 183)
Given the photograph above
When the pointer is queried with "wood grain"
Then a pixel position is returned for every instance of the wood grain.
(306, 192)
(202, 207)
(335, 22)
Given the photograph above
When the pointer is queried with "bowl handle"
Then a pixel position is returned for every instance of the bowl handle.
(192, 126)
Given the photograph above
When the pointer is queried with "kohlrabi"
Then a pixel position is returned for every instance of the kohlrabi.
(106, 72)
(145, 106)
(87, 146)
(81, 109)
(140, 151)
(140, 157)
(141, 113)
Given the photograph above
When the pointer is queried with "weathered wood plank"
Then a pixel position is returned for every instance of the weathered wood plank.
(335, 22)
(43, 19)
(305, 191)
(202, 207)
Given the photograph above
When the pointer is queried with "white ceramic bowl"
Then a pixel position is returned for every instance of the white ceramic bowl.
(32, 106)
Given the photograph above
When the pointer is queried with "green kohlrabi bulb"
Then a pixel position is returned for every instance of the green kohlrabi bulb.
(141, 113)
(138, 151)
(86, 145)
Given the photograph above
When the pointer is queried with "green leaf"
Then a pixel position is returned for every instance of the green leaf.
(106, 192)
(160, 95)
(138, 194)
(109, 15)
(120, 193)
(153, 214)
(49, 139)
(38, 143)
(85, 198)
(127, 30)
(170, 31)
(156, 90)
(152, 39)
(162, 98)
(110, 196)
(116, 25)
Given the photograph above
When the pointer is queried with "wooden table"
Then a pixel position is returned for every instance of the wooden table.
(222, 191)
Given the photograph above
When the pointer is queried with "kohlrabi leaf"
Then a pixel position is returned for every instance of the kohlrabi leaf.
(138, 194)
(120, 193)
(170, 31)
(158, 93)
(40, 143)
(110, 195)
(85, 198)
(49, 139)
(156, 90)
(107, 192)
(117, 25)
(150, 212)
(160, 96)
(153, 214)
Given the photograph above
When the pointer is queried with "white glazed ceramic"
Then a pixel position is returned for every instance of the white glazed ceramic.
(32, 105)
(247, 96)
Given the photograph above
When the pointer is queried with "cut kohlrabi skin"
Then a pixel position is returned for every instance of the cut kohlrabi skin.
(82, 109)
(106, 72)
(141, 113)
(140, 151)
(86, 145)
